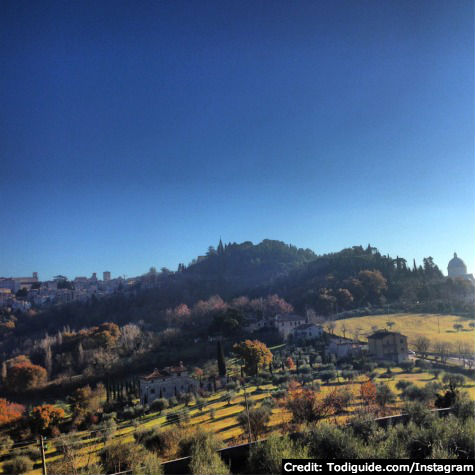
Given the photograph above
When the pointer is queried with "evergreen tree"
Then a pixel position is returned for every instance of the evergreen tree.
(220, 247)
(221, 360)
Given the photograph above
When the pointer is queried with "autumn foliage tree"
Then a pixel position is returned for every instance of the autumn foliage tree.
(289, 362)
(368, 393)
(306, 405)
(254, 353)
(25, 375)
(10, 412)
(45, 417)
(338, 400)
(85, 402)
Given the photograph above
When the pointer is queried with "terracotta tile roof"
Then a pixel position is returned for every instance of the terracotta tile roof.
(165, 372)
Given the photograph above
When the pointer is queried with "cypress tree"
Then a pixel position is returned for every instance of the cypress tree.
(221, 361)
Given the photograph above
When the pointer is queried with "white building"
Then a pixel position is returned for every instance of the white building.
(17, 283)
(307, 331)
(287, 323)
(458, 270)
(343, 348)
(166, 383)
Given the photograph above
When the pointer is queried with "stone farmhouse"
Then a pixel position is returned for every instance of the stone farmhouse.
(390, 346)
(166, 383)
(344, 348)
(287, 323)
(307, 331)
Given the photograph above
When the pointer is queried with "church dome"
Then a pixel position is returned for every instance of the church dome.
(456, 267)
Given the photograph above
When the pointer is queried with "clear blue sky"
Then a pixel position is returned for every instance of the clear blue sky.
(137, 133)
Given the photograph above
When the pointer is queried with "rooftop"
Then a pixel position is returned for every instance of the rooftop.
(165, 372)
(288, 317)
(380, 334)
(305, 326)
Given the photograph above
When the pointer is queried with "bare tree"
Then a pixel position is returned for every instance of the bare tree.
(356, 333)
(330, 326)
(48, 360)
(422, 345)
(129, 337)
(465, 352)
(442, 350)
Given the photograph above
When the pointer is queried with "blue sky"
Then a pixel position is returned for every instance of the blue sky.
(137, 133)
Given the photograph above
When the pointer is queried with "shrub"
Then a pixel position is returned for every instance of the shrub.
(407, 366)
(453, 381)
(327, 375)
(18, 465)
(10, 412)
(199, 437)
(128, 413)
(258, 419)
(363, 426)
(384, 395)
(423, 364)
(44, 416)
(117, 456)
(330, 442)
(140, 410)
(205, 459)
(25, 375)
(401, 385)
(6, 443)
(266, 457)
(173, 417)
(269, 402)
(418, 412)
(231, 386)
(149, 464)
(163, 442)
(278, 394)
(159, 404)
(463, 406)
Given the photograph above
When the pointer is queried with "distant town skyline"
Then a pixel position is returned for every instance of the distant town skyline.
(100, 273)
(135, 134)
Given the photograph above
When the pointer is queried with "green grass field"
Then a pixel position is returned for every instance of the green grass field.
(435, 327)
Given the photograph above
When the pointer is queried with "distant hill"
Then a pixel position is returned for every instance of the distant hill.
(234, 267)
(352, 278)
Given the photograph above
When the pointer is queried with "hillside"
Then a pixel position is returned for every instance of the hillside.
(353, 278)
(234, 267)
(438, 328)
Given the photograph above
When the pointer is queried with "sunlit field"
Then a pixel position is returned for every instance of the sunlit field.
(438, 328)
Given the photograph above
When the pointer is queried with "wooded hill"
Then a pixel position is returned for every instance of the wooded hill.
(352, 278)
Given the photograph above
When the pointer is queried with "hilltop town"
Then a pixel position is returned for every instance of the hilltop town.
(121, 358)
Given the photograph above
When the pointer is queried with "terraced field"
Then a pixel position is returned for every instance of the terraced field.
(220, 416)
